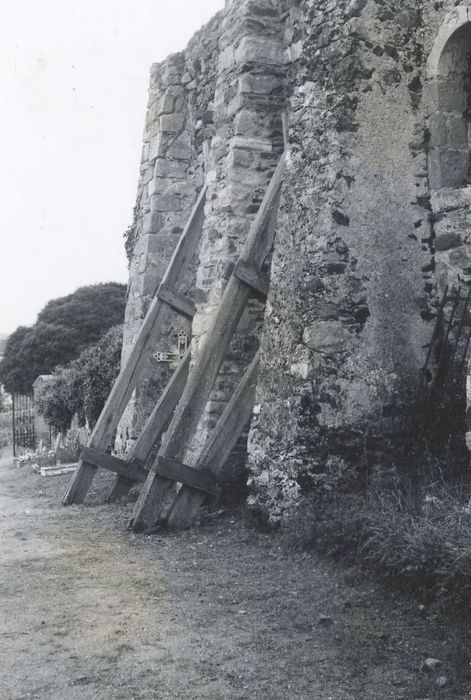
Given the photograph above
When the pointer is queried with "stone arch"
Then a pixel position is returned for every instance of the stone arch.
(449, 72)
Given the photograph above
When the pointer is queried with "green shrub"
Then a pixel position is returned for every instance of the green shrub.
(82, 387)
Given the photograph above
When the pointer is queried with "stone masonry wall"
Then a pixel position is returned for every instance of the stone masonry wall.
(178, 122)
(249, 100)
(353, 286)
(372, 223)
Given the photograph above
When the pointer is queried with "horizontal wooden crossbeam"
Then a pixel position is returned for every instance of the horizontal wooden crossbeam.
(128, 470)
(251, 275)
(200, 479)
(179, 302)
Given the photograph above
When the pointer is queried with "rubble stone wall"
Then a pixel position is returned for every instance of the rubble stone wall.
(353, 294)
(372, 224)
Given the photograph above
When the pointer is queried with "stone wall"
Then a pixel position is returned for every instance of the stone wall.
(354, 292)
(173, 169)
(372, 224)
(248, 141)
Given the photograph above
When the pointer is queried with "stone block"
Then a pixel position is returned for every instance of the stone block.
(447, 241)
(260, 50)
(457, 131)
(169, 201)
(324, 336)
(226, 59)
(152, 222)
(448, 167)
(252, 144)
(165, 168)
(172, 123)
(252, 124)
(156, 147)
(438, 130)
(446, 200)
(181, 148)
(459, 257)
(258, 84)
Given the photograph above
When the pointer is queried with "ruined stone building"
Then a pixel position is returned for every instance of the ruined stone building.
(373, 220)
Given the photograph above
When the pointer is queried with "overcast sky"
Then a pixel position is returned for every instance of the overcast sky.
(74, 77)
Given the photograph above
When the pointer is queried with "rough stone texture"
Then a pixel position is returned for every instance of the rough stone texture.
(372, 226)
(178, 122)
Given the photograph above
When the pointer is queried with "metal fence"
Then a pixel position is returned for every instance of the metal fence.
(24, 434)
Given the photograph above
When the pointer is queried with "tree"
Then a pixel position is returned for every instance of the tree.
(82, 387)
(64, 328)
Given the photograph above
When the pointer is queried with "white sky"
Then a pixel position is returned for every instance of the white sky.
(73, 80)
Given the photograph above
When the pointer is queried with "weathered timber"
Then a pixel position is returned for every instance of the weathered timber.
(129, 469)
(251, 275)
(155, 425)
(200, 479)
(157, 314)
(153, 495)
(177, 301)
(230, 426)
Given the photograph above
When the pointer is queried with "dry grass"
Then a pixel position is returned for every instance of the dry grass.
(426, 549)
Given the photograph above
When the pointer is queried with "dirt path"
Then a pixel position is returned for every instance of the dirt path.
(88, 610)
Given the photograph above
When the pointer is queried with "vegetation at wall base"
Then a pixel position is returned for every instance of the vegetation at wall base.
(424, 548)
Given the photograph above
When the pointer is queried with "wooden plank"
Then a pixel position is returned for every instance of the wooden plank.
(177, 301)
(285, 127)
(131, 470)
(200, 479)
(57, 470)
(229, 428)
(155, 425)
(147, 338)
(153, 496)
(245, 272)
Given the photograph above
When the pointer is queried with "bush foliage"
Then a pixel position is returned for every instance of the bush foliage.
(64, 328)
(82, 387)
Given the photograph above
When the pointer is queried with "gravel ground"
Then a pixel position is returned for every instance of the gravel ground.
(90, 610)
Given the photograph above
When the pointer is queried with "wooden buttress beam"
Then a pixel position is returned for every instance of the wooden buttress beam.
(233, 421)
(148, 335)
(154, 426)
(188, 413)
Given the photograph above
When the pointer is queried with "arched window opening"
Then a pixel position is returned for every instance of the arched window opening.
(450, 124)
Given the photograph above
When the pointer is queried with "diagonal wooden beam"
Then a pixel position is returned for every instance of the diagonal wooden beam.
(154, 426)
(189, 411)
(229, 428)
(148, 335)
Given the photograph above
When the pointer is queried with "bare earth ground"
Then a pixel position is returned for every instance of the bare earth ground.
(89, 610)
